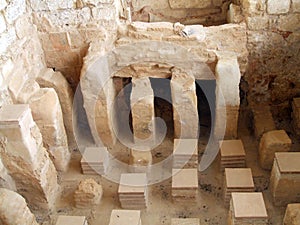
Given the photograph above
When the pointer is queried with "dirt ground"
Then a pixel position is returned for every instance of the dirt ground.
(209, 207)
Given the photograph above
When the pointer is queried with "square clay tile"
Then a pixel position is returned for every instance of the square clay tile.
(132, 183)
(97, 155)
(71, 220)
(239, 178)
(125, 217)
(288, 162)
(185, 147)
(184, 178)
(249, 205)
(231, 148)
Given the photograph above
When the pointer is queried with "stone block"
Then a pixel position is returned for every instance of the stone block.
(140, 160)
(14, 9)
(25, 159)
(234, 14)
(6, 39)
(74, 220)
(181, 4)
(88, 194)
(142, 109)
(263, 120)
(292, 215)
(271, 142)
(257, 22)
(14, 209)
(228, 77)
(285, 178)
(29, 88)
(124, 217)
(184, 102)
(50, 79)
(247, 208)
(50, 121)
(296, 5)
(253, 7)
(290, 22)
(59, 40)
(278, 7)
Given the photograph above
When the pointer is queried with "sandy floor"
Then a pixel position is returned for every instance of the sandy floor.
(209, 207)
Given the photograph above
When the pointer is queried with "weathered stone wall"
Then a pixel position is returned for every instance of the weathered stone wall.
(21, 55)
(67, 27)
(205, 12)
(273, 30)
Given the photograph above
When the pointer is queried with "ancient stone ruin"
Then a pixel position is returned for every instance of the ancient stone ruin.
(149, 112)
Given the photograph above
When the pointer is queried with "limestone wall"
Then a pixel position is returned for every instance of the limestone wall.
(273, 74)
(205, 12)
(67, 27)
(21, 55)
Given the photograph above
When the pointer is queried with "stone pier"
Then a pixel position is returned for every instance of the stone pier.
(184, 101)
(142, 109)
(50, 79)
(227, 96)
(46, 111)
(25, 158)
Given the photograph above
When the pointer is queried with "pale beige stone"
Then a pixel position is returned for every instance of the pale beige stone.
(181, 4)
(50, 79)
(263, 119)
(29, 88)
(184, 185)
(185, 153)
(253, 7)
(95, 160)
(16, 84)
(257, 22)
(140, 158)
(88, 194)
(185, 221)
(271, 142)
(248, 208)
(71, 220)
(228, 77)
(133, 191)
(285, 178)
(142, 109)
(292, 215)
(5, 179)
(50, 121)
(184, 178)
(296, 5)
(184, 102)
(125, 217)
(234, 14)
(14, 209)
(278, 7)
(289, 23)
(29, 163)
